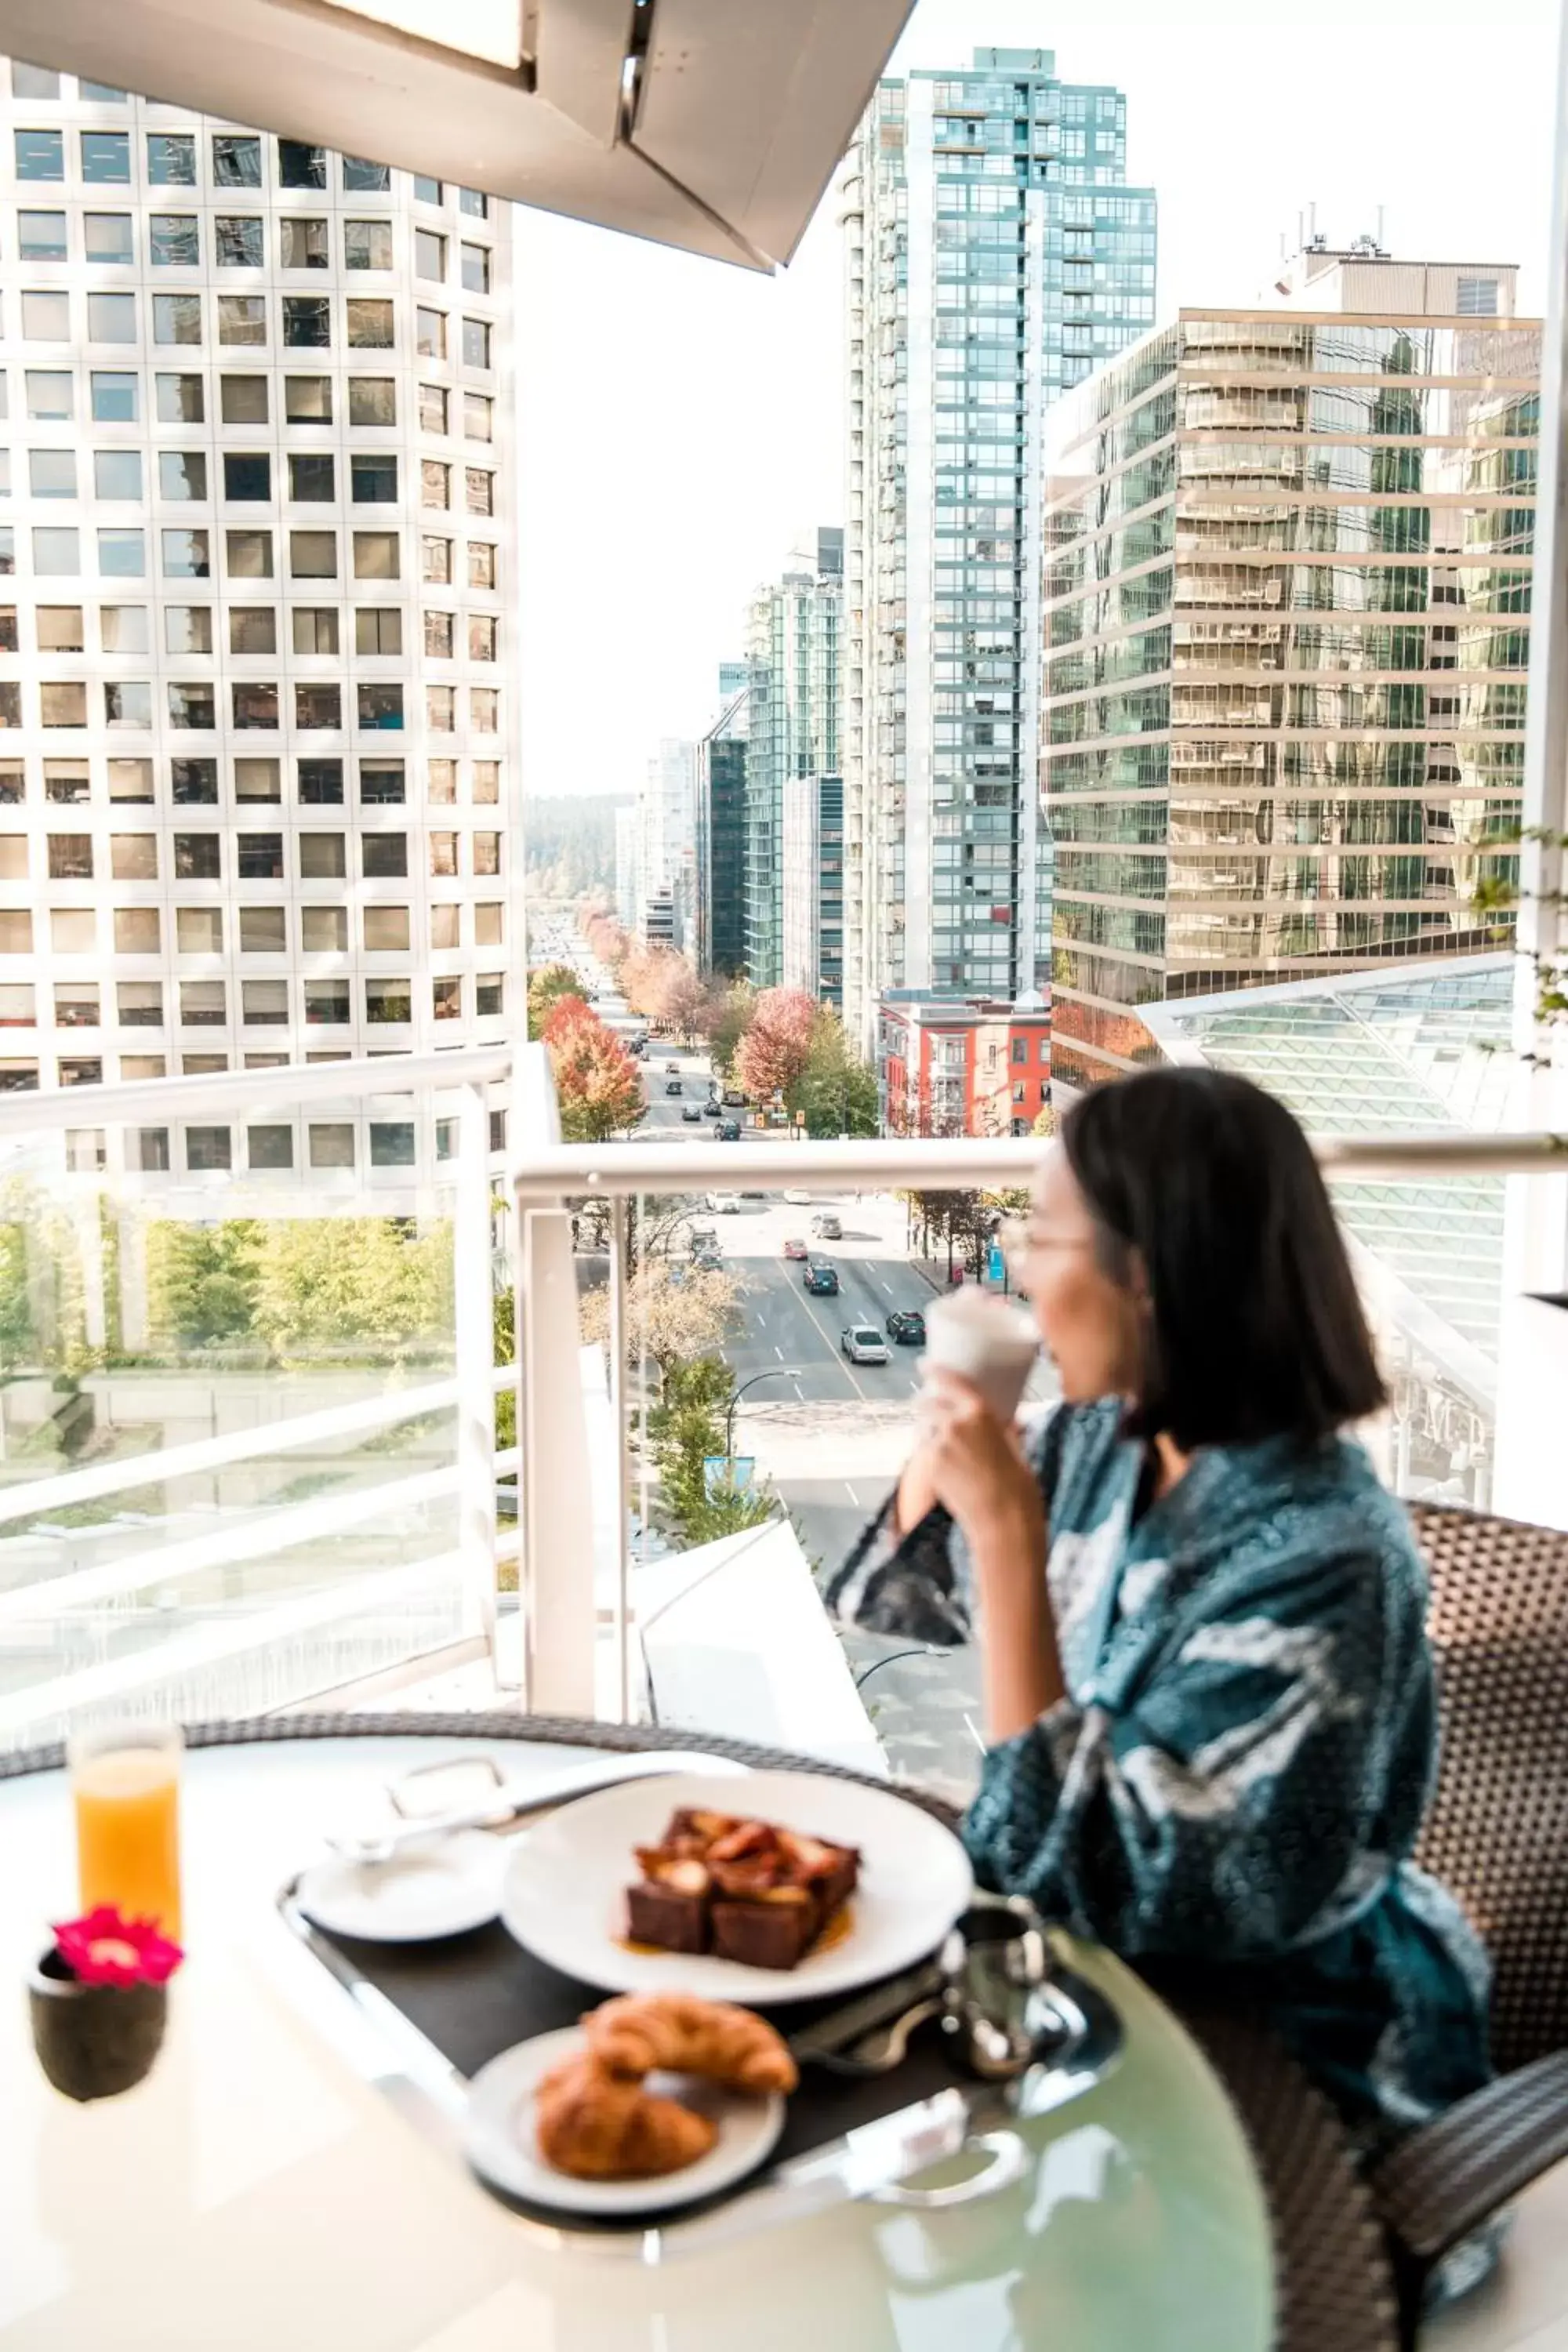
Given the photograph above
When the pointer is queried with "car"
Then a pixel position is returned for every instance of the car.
(864, 1344)
(822, 1278)
(798, 1200)
(672, 1087)
(691, 1114)
(826, 1227)
(707, 1261)
(735, 1099)
(907, 1325)
(727, 1205)
(729, 1130)
(795, 1248)
(703, 1238)
(672, 1066)
(710, 1109)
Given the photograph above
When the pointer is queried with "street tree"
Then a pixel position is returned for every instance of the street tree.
(1045, 1121)
(674, 1312)
(773, 1056)
(686, 1431)
(597, 1084)
(837, 1091)
(546, 987)
(729, 1019)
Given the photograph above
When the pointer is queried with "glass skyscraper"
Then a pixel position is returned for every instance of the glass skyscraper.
(1286, 625)
(993, 257)
(793, 647)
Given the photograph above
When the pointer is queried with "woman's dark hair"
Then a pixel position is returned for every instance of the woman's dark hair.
(1254, 1328)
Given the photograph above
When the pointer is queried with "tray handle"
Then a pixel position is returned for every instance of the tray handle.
(1007, 2161)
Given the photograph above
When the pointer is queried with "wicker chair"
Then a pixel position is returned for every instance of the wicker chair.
(1497, 1834)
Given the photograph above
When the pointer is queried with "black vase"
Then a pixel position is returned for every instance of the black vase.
(93, 2041)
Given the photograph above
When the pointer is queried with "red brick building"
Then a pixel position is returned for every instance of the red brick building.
(961, 1066)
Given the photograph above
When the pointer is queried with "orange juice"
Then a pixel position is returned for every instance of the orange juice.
(128, 1832)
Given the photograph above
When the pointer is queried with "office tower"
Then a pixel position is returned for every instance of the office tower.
(258, 775)
(667, 856)
(628, 821)
(720, 940)
(813, 887)
(994, 255)
(1284, 701)
(792, 646)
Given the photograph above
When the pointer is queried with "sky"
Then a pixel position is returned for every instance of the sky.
(681, 422)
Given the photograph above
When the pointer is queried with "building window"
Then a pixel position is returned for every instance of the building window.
(252, 629)
(107, 236)
(321, 857)
(367, 244)
(308, 399)
(247, 474)
(260, 857)
(45, 318)
(441, 781)
(51, 472)
(487, 853)
(444, 930)
(375, 555)
(429, 255)
(73, 931)
(475, 343)
(475, 203)
(77, 1004)
(198, 857)
(1477, 298)
(41, 237)
(177, 318)
(435, 560)
(487, 781)
(111, 317)
(312, 479)
(326, 1002)
(391, 1143)
(331, 1145)
(268, 1147)
(432, 408)
(177, 399)
(323, 930)
(441, 709)
(304, 244)
(318, 706)
(434, 483)
(193, 784)
(446, 1000)
(188, 629)
(313, 555)
(307, 321)
(257, 780)
(378, 629)
(10, 704)
(70, 857)
(127, 702)
(56, 553)
(137, 931)
(16, 931)
(484, 709)
(193, 706)
(439, 635)
(67, 782)
(360, 174)
(40, 154)
(49, 394)
(263, 931)
(63, 704)
(182, 474)
(372, 400)
(301, 166)
(152, 1144)
(386, 930)
(385, 856)
(380, 784)
(315, 628)
(481, 563)
(247, 554)
(186, 555)
(488, 932)
(206, 1147)
(264, 1003)
(130, 780)
(321, 783)
(388, 1000)
(175, 241)
(370, 324)
(198, 930)
(430, 333)
(106, 157)
(255, 705)
(478, 416)
(489, 993)
(59, 628)
(242, 399)
(203, 1005)
(170, 159)
(241, 240)
(242, 319)
(476, 261)
(442, 861)
(374, 480)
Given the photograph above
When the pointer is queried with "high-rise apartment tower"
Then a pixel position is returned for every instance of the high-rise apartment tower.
(993, 257)
(793, 646)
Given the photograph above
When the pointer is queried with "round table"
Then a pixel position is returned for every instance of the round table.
(258, 2191)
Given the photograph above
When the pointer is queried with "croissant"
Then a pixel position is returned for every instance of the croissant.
(681, 2035)
(602, 2127)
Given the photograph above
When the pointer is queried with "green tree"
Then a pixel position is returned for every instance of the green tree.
(545, 989)
(334, 1287)
(836, 1090)
(1045, 1121)
(18, 1341)
(201, 1282)
(731, 1017)
(686, 1432)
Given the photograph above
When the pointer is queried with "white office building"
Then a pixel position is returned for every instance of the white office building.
(259, 783)
(667, 856)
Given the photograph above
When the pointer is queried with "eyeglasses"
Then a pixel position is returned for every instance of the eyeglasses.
(1021, 1238)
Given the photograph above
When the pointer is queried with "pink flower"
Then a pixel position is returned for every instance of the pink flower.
(106, 1948)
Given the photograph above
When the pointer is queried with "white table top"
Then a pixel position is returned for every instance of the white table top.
(257, 2192)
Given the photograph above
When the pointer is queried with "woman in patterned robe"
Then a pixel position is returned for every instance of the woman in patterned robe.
(1208, 1690)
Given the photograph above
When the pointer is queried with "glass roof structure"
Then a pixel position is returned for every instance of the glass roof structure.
(1425, 1049)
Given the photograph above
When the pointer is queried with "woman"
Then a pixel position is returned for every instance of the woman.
(1206, 1680)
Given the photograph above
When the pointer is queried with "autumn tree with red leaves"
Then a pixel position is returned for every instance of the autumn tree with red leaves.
(597, 1084)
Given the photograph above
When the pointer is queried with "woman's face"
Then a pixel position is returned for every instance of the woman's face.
(1088, 1323)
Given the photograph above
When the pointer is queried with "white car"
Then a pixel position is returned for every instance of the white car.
(798, 1200)
(727, 1205)
(864, 1344)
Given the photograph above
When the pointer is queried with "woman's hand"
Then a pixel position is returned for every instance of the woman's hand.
(976, 1467)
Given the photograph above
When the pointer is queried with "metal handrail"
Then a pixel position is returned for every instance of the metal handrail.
(915, 1164)
(116, 1101)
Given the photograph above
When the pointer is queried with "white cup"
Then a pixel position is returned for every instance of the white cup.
(989, 1340)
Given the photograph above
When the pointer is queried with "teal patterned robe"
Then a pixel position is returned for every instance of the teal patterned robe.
(1231, 1787)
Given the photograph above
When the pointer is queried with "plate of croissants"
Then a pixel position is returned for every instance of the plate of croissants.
(654, 2100)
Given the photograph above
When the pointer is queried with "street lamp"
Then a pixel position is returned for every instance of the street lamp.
(778, 1373)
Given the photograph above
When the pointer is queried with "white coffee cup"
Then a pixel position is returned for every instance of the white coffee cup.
(990, 1341)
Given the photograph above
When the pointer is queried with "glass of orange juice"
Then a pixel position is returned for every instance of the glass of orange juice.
(125, 1781)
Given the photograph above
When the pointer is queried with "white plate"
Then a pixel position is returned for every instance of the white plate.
(438, 1889)
(499, 2140)
(564, 1895)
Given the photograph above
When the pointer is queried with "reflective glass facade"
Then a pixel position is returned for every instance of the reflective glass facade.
(994, 257)
(793, 646)
(1286, 623)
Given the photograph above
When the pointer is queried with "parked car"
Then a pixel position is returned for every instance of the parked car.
(729, 1130)
(735, 1099)
(712, 1108)
(689, 1114)
(728, 1205)
(907, 1325)
(826, 1227)
(672, 1086)
(798, 1200)
(821, 1277)
(703, 1238)
(707, 1261)
(864, 1344)
(795, 1248)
